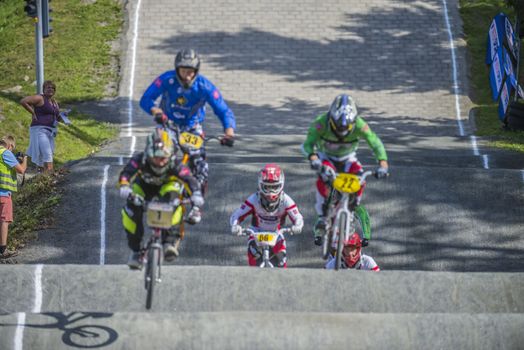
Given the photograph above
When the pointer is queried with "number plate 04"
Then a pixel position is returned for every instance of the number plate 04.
(266, 238)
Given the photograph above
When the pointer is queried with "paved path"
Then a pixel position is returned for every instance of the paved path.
(278, 64)
(447, 207)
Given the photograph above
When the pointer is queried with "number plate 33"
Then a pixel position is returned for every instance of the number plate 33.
(188, 139)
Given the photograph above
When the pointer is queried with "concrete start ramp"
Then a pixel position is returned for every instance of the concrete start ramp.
(68, 306)
(264, 330)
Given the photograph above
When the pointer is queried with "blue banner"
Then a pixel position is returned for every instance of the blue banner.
(501, 55)
(500, 33)
(505, 94)
(496, 74)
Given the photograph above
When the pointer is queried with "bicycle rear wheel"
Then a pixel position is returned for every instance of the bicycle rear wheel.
(153, 261)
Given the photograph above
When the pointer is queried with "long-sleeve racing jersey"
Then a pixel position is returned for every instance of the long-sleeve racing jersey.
(187, 107)
(320, 138)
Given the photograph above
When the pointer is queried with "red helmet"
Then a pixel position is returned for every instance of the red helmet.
(351, 250)
(270, 186)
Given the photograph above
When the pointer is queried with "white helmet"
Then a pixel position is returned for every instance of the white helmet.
(270, 186)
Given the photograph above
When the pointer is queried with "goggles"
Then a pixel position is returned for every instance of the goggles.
(271, 188)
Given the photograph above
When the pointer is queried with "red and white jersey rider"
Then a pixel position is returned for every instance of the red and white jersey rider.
(268, 207)
(352, 256)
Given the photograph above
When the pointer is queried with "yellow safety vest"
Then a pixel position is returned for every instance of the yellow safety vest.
(7, 175)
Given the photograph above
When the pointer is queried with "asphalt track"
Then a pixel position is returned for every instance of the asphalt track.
(447, 225)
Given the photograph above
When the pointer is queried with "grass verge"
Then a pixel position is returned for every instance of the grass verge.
(35, 204)
(477, 16)
(79, 57)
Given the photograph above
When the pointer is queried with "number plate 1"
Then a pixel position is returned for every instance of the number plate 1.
(159, 215)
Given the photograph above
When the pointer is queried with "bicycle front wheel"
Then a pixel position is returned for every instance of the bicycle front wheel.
(153, 261)
(340, 244)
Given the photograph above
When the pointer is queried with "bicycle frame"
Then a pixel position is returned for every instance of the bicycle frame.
(344, 221)
(266, 240)
(153, 256)
(159, 219)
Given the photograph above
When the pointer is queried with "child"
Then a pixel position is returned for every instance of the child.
(268, 207)
(352, 257)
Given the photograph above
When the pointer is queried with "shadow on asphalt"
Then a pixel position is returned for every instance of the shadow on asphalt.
(86, 334)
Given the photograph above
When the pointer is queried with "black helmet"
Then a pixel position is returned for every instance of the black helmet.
(187, 58)
(342, 115)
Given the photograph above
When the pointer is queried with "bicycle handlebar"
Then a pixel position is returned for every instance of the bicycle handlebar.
(332, 174)
(170, 126)
(250, 231)
(140, 201)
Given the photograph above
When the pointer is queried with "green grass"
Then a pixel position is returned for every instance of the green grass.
(34, 204)
(477, 16)
(79, 59)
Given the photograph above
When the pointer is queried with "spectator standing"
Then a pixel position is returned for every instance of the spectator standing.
(45, 114)
(9, 166)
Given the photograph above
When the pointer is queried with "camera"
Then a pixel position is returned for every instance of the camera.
(20, 156)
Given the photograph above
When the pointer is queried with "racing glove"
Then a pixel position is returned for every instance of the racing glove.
(197, 199)
(160, 118)
(381, 173)
(296, 229)
(227, 141)
(236, 230)
(125, 191)
(315, 164)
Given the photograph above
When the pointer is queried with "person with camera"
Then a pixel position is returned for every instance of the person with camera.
(10, 165)
(45, 114)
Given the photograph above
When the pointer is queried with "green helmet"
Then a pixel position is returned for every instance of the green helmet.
(159, 145)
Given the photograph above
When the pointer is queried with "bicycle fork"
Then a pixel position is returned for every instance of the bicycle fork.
(158, 247)
(265, 260)
(342, 225)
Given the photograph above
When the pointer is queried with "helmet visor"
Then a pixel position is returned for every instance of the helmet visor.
(351, 254)
(340, 127)
(274, 188)
(158, 161)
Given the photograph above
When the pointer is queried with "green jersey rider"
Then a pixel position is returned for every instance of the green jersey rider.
(331, 144)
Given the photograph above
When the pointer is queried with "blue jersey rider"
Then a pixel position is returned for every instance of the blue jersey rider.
(184, 94)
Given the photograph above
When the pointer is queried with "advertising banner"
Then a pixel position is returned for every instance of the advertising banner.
(501, 56)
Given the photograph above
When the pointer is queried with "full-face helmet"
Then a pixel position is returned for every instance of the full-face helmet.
(342, 115)
(270, 186)
(187, 58)
(159, 151)
(352, 250)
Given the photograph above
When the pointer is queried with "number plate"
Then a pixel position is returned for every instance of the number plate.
(188, 139)
(348, 183)
(266, 238)
(159, 215)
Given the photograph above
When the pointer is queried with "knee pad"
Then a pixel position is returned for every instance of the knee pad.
(281, 258)
(133, 241)
(254, 250)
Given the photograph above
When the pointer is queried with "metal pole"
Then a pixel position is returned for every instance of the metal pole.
(39, 48)
(517, 44)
